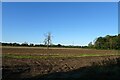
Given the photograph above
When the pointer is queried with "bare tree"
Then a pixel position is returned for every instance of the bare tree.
(47, 40)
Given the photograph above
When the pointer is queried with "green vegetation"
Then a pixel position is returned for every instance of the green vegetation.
(107, 42)
(52, 56)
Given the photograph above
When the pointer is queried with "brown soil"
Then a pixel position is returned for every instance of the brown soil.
(28, 68)
(65, 51)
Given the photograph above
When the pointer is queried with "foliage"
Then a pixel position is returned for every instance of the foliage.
(108, 42)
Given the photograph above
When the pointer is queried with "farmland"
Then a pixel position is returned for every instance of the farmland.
(37, 62)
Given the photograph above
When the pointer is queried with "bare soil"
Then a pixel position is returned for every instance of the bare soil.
(65, 51)
(28, 68)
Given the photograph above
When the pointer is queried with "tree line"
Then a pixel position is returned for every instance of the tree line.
(107, 42)
(25, 44)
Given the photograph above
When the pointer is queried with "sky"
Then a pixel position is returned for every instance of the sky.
(70, 23)
(118, 18)
(0, 22)
(60, 0)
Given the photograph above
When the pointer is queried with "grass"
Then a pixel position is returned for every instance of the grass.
(52, 56)
(42, 53)
(84, 55)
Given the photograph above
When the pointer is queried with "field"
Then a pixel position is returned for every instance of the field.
(37, 63)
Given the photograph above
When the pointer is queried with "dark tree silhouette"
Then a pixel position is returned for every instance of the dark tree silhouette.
(47, 40)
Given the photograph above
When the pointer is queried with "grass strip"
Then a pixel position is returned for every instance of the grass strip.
(53, 56)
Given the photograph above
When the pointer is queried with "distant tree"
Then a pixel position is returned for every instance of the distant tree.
(115, 42)
(118, 41)
(59, 45)
(24, 44)
(108, 42)
(47, 40)
(90, 45)
(16, 44)
(98, 42)
(31, 44)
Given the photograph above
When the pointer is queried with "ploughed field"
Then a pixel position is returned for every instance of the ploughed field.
(37, 63)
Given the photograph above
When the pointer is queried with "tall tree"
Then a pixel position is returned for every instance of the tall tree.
(47, 40)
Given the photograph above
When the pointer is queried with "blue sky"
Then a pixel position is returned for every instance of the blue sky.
(69, 23)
